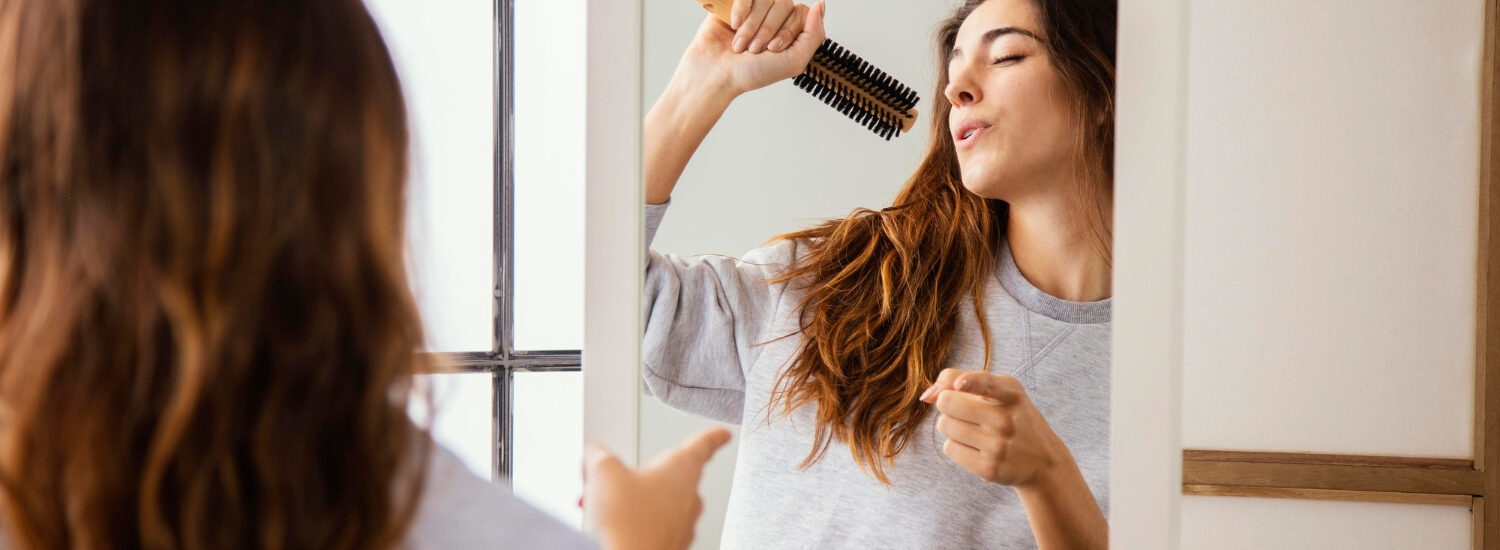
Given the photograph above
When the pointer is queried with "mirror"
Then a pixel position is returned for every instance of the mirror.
(779, 161)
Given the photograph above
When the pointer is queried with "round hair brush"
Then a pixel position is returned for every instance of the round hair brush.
(850, 85)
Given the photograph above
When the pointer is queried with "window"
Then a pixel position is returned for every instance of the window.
(496, 229)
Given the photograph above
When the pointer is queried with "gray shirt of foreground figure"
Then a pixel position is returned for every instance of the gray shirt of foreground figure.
(462, 510)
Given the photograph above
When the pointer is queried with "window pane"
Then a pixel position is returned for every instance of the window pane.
(464, 416)
(548, 454)
(549, 144)
(443, 51)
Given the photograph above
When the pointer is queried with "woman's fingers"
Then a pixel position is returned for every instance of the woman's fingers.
(775, 17)
(597, 462)
(977, 409)
(971, 459)
(805, 42)
(790, 29)
(686, 461)
(738, 11)
(987, 441)
(1005, 389)
(751, 24)
(944, 381)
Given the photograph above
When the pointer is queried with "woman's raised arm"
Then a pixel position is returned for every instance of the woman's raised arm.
(717, 67)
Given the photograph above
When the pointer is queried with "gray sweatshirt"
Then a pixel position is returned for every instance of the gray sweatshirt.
(462, 510)
(706, 315)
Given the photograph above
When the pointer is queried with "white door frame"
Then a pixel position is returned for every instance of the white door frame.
(1150, 160)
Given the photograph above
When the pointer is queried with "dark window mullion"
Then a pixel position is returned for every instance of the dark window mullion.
(504, 360)
(503, 432)
(504, 220)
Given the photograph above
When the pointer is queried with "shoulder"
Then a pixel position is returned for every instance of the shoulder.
(461, 510)
(777, 255)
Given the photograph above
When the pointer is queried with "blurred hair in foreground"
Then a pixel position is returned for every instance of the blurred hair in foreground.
(206, 332)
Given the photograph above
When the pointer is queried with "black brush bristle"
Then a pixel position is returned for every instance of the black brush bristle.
(874, 81)
(877, 118)
(892, 99)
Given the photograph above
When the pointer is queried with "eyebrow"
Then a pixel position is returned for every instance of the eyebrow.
(993, 34)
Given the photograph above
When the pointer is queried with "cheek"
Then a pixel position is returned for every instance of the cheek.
(1039, 104)
(1039, 131)
(1034, 135)
(1027, 147)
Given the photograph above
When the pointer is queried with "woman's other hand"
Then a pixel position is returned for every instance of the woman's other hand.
(654, 507)
(769, 41)
(993, 430)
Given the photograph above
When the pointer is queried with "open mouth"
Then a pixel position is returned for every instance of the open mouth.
(969, 131)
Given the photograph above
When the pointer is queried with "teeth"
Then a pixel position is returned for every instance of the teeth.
(970, 133)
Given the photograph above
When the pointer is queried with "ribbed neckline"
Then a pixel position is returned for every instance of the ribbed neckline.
(1032, 298)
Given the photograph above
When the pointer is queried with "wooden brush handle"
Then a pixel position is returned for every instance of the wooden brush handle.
(720, 9)
(904, 120)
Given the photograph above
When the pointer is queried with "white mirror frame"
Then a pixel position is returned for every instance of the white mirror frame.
(613, 233)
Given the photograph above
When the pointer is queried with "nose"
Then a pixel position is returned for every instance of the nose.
(962, 91)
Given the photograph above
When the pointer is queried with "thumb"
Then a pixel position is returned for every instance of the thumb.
(599, 462)
(812, 34)
(699, 448)
(1003, 389)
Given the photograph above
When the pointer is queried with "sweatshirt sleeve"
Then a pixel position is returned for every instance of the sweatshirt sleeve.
(704, 316)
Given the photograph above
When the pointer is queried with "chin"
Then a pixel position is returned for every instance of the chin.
(983, 174)
(985, 185)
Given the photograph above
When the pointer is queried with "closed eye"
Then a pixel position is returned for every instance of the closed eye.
(1009, 59)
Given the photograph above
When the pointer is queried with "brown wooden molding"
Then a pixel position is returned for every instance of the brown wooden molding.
(1329, 459)
(1486, 344)
(1331, 472)
(1487, 299)
(1477, 509)
(1466, 501)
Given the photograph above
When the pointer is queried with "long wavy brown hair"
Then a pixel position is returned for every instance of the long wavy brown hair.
(206, 333)
(883, 289)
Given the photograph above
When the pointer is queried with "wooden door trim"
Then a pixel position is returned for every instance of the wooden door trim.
(1466, 501)
(1487, 299)
(1329, 459)
(1331, 472)
(1478, 510)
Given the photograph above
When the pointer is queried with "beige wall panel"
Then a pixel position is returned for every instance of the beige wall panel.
(1235, 523)
(1330, 226)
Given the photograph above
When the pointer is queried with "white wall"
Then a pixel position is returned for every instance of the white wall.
(777, 161)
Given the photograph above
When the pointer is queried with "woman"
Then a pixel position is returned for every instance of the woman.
(207, 339)
(975, 309)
